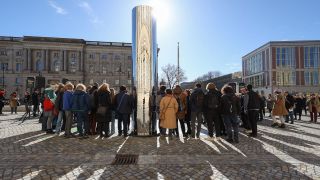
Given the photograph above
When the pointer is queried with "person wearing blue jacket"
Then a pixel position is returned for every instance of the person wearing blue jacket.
(81, 107)
(67, 105)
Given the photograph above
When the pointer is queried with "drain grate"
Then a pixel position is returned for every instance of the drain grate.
(125, 159)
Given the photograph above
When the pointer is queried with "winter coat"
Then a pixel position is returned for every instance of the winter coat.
(279, 108)
(124, 103)
(80, 101)
(168, 106)
(67, 100)
(230, 102)
(313, 102)
(208, 97)
(299, 103)
(194, 104)
(104, 100)
(13, 101)
(58, 104)
(35, 99)
(47, 105)
(182, 105)
(289, 101)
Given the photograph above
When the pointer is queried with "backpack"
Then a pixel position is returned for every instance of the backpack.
(199, 99)
(213, 101)
(254, 100)
(230, 104)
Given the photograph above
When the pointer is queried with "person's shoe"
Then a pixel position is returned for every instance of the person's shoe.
(274, 124)
(120, 134)
(286, 121)
(248, 131)
(229, 140)
(291, 122)
(282, 125)
(252, 135)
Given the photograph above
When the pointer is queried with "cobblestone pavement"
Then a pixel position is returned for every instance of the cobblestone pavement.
(290, 153)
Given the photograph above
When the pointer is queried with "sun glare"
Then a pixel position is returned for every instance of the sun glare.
(161, 11)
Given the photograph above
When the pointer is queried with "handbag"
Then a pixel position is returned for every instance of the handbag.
(163, 113)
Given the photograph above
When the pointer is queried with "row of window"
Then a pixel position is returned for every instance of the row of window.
(254, 64)
(285, 57)
(116, 82)
(311, 57)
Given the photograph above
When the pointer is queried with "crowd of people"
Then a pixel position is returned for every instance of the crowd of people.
(95, 109)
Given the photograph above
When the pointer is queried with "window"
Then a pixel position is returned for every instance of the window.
(39, 65)
(57, 65)
(254, 64)
(56, 55)
(4, 66)
(117, 57)
(18, 67)
(91, 56)
(117, 81)
(104, 81)
(73, 55)
(18, 53)
(18, 81)
(129, 81)
(285, 57)
(129, 58)
(104, 70)
(91, 81)
(3, 52)
(311, 57)
(73, 65)
(104, 56)
(311, 78)
(38, 54)
(286, 78)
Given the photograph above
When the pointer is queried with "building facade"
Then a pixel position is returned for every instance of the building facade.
(55, 59)
(287, 65)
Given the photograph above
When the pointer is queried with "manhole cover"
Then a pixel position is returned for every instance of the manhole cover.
(125, 159)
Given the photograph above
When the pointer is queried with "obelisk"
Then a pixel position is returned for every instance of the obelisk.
(144, 63)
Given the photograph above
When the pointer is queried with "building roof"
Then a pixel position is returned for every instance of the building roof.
(284, 43)
(63, 40)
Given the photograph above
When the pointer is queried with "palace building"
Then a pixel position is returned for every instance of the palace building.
(29, 62)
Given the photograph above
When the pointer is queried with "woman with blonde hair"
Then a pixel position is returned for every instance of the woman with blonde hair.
(279, 109)
(168, 110)
(104, 113)
(81, 107)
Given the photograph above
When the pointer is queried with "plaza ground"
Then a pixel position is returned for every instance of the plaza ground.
(290, 153)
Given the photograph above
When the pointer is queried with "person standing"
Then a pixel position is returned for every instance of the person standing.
(93, 104)
(211, 110)
(299, 105)
(113, 113)
(2, 98)
(160, 95)
(81, 108)
(182, 109)
(152, 112)
(188, 115)
(27, 103)
(48, 107)
(67, 107)
(124, 106)
(279, 109)
(58, 105)
(168, 110)
(104, 111)
(197, 99)
(13, 102)
(262, 111)
(313, 105)
(270, 103)
(244, 115)
(289, 106)
(230, 110)
(252, 107)
(35, 102)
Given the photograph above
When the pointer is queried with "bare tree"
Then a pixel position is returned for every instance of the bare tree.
(170, 75)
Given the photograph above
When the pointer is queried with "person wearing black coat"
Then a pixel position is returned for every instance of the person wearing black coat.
(289, 106)
(123, 107)
(93, 104)
(104, 109)
(35, 102)
(230, 110)
(299, 105)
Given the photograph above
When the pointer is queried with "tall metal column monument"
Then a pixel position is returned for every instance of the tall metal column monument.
(144, 59)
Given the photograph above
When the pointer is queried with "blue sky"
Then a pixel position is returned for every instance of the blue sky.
(213, 34)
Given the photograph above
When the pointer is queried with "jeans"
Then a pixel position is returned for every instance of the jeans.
(290, 115)
(49, 117)
(113, 117)
(69, 121)
(93, 123)
(253, 116)
(103, 127)
(59, 121)
(313, 114)
(123, 119)
(299, 112)
(35, 109)
(183, 129)
(231, 122)
(213, 120)
(196, 117)
(82, 123)
(13, 109)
